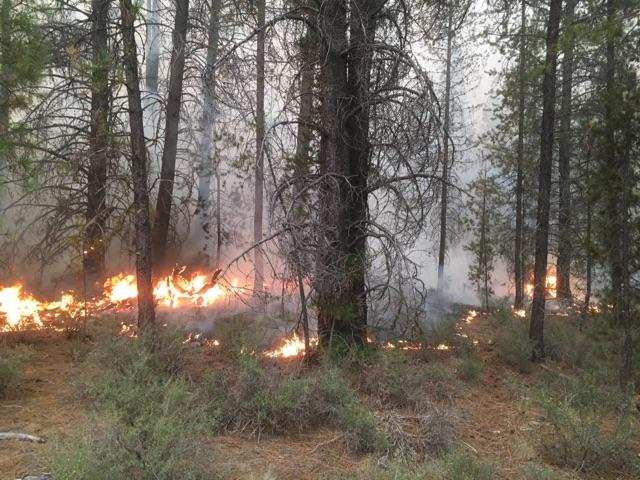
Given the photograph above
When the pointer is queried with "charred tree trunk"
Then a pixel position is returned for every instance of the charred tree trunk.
(168, 171)
(518, 263)
(146, 310)
(96, 214)
(258, 206)
(564, 161)
(536, 331)
(206, 148)
(442, 250)
(5, 73)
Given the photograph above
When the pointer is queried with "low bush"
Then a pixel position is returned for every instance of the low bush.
(565, 342)
(469, 368)
(12, 361)
(148, 416)
(512, 341)
(399, 380)
(453, 466)
(588, 432)
(250, 398)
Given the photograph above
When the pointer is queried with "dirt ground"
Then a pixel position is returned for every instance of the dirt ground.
(494, 422)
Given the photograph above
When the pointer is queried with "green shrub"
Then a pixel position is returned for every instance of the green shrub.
(148, 415)
(250, 398)
(469, 368)
(12, 361)
(584, 434)
(512, 341)
(398, 380)
(460, 466)
(566, 343)
(538, 472)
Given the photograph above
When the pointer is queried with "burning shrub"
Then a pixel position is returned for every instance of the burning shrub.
(148, 416)
(12, 361)
(590, 430)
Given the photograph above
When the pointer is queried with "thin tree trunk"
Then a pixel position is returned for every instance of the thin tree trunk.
(301, 166)
(96, 214)
(518, 260)
(5, 74)
(151, 100)
(258, 206)
(146, 310)
(442, 250)
(483, 241)
(206, 148)
(564, 161)
(168, 171)
(589, 248)
(610, 154)
(536, 331)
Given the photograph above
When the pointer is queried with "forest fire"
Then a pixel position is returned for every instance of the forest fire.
(21, 310)
(550, 285)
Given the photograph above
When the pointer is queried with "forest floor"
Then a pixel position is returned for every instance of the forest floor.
(495, 420)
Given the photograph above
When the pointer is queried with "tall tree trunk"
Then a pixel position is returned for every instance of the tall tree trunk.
(564, 160)
(536, 331)
(331, 279)
(5, 74)
(442, 251)
(96, 214)
(258, 206)
(588, 226)
(151, 100)
(172, 125)
(206, 147)
(301, 166)
(483, 242)
(518, 260)
(146, 310)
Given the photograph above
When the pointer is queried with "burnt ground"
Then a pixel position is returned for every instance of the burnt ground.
(495, 422)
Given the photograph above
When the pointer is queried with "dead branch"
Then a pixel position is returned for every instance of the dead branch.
(22, 437)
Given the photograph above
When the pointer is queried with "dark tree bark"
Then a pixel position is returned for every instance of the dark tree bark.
(96, 214)
(172, 125)
(333, 317)
(536, 331)
(302, 164)
(442, 250)
(588, 227)
(518, 263)
(206, 148)
(258, 206)
(146, 310)
(564, 161)
(344, 167)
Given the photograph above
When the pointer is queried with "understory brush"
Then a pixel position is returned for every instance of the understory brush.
(591, 427)
(147, 418)
(252, 398)
(12, 362)
(511, 340)
(452, 466)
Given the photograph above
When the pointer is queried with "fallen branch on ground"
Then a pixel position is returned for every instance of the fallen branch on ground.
(22, 437)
